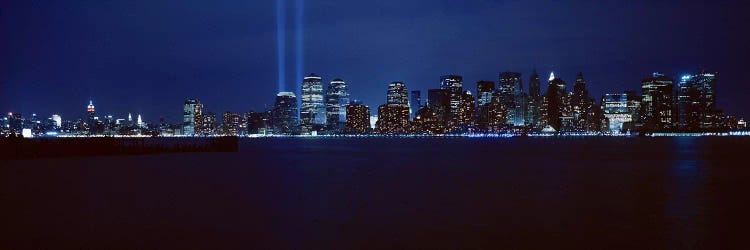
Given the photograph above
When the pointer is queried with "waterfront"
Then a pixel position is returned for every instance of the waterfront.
(598, 192)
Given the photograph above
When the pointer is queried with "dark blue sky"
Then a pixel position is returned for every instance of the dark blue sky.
(147, 56)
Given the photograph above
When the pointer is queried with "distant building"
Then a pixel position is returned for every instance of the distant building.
(415, 103)
(393, 119)
(231, 123)
(485, 89)
(534, 101)
(658, 112)
(58, 120)
(189, 111)
(454, 85)
(582, 106)
(438, 100)
(397, 95)
(258, 122)
(467, 110)
(697, 103)
(313, 110)
(208, 124)
(337, 99)
(357, 118)
(512, 98)
(615, 109)
(284, 113)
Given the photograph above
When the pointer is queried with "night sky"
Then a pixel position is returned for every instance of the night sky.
(147, 56)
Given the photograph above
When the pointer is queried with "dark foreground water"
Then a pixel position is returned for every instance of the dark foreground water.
(390, 193)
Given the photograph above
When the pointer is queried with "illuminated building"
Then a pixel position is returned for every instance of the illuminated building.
(284, 113)
(553, 107)
(337, 98)
(415, 103)
(697, 103)
(231, 123)
(485, 89)
(208, 123)
(658, 108)
(397, 94)
(581, 106)
(258, 122)
(140, 121)
(466, 112)
(313, 110)
(454, 85)
(57, 119)
(189, 116)
(510, 88)
(615, 109)
(534, 101)
(392, 119)
(439, 102)
(357, 118)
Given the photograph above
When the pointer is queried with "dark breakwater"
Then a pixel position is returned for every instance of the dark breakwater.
(21, 148)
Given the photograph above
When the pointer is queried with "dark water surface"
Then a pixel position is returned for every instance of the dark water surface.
(390, 193)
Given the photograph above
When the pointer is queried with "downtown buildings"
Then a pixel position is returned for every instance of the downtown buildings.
(503, 107)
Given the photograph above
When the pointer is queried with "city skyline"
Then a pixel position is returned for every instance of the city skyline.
(228, 56)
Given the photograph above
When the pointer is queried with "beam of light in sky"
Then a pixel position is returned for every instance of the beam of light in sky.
(300, 56)
(280, 43)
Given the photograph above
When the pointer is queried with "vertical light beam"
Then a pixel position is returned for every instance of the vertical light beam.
(300, 56)
(280, 43)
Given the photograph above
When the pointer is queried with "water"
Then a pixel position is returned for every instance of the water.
(390, 193)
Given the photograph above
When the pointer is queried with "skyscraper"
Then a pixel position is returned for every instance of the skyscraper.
(415, 103)
(231, 123)
(553, 106)
(697, 103)
(337, 98)
(257, 122)
(284, 113)
(511, 98)
(313, 110)
(393, 117)
(582, 105)
(485, 89)
(208, 124)
(58, 120)
(438, 100)
(658, 109)
(188, 116)
(357, 118)
(534, 101)
(454, 85)
(397, 94)
(615, 109)
(467, 112)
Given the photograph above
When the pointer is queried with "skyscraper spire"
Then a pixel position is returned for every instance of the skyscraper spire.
(130, 118)
(140, 122)
(551, 76)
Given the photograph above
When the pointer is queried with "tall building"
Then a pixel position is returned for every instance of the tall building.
(284, 113)
(511, 98)
(553, 107)
(208, 124)
(534, 103)
(189, 116)
(337, 98)
(467, 111)
(357, 118)
(415, 103)
(485, 89)
(581, 106)
(438, 100)
(313, 110)
(231, 123)
(92, 119)
(392, 119)
(697, 103)
(658, 112)
(258, 122)
(397, 94)
(615, 109)
(454, 85)
(58, 120)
